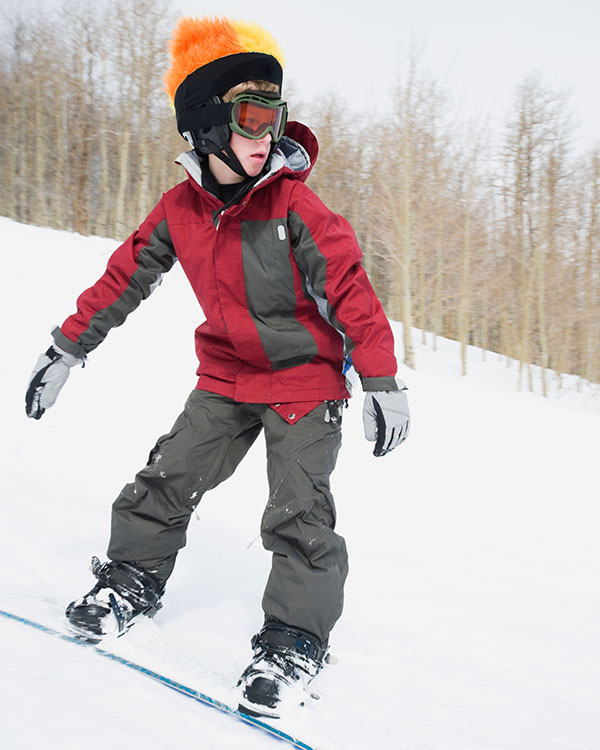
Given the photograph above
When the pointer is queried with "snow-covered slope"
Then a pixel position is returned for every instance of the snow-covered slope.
(473, 601)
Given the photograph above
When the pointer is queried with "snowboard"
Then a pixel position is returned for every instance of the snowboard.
(189, 692)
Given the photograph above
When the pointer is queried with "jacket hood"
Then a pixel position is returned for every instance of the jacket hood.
(299, 149)
(295, 156)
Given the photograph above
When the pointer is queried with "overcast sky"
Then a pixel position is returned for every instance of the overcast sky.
(483, 48)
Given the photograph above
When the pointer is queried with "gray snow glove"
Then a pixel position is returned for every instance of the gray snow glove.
(386, 418)
(50, 374)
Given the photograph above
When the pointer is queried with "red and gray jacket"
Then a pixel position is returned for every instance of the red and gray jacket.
(277, 275)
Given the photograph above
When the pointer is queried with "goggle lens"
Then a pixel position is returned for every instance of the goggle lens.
(254, 118)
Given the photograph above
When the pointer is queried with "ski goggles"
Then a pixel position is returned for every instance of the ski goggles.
(253, 115)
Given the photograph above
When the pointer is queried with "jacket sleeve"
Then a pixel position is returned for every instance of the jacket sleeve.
(134, 270)
(327, 252)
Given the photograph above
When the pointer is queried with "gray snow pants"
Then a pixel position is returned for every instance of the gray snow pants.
(209, 439)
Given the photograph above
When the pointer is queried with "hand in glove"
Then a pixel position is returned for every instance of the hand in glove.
(50, 374)
(386, 418)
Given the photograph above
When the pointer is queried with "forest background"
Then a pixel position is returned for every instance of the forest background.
(489, 236)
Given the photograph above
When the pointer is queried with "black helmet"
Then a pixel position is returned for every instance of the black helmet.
(209, 57)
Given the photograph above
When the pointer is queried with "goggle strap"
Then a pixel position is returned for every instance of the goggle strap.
(205, 117)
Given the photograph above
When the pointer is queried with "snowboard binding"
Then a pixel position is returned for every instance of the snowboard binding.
(285, 661)
(122, 592)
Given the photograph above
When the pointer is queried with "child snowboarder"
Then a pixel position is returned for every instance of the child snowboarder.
(288, 307)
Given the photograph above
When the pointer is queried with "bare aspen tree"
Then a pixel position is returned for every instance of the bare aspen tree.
(393, 232)
(432, 256)
(41, 117)
(471, 233)
(464, 313)
(58, 182)
(547, 263)
(16, 117)
(8, 152)
(126, 103)
(132, 148)
(411, 197)
(337, 175)
(150, 62)
(534, 156)
(393, 221)
(81, 30)
(589, 355)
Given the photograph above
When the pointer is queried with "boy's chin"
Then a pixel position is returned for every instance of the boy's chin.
(254, 168)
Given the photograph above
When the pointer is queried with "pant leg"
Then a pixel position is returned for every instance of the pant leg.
(310, 563)
(151, 515)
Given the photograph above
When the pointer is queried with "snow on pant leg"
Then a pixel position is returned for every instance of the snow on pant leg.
(310, 563)
(151, 515)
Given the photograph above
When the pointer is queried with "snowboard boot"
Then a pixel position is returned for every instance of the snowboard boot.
(123, 591)
(285, 661)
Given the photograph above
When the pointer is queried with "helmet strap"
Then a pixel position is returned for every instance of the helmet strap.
(228, 157)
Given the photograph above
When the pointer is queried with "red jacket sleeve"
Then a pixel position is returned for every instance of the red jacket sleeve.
(327, 252)
(134, 270)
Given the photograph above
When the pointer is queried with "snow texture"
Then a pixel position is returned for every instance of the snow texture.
(473, 603)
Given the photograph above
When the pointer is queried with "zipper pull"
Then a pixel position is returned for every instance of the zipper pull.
(217, 217)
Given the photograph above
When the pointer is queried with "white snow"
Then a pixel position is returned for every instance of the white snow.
(472, 618)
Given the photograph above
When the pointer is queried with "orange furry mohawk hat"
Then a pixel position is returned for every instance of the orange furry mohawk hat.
(211, 55)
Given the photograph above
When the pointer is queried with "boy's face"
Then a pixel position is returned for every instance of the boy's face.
(251, 153)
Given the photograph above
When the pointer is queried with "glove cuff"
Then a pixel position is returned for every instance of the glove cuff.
(67, 347)
(381, 384)
(64, 357)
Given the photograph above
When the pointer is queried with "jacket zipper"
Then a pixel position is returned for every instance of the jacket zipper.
(219, 215)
